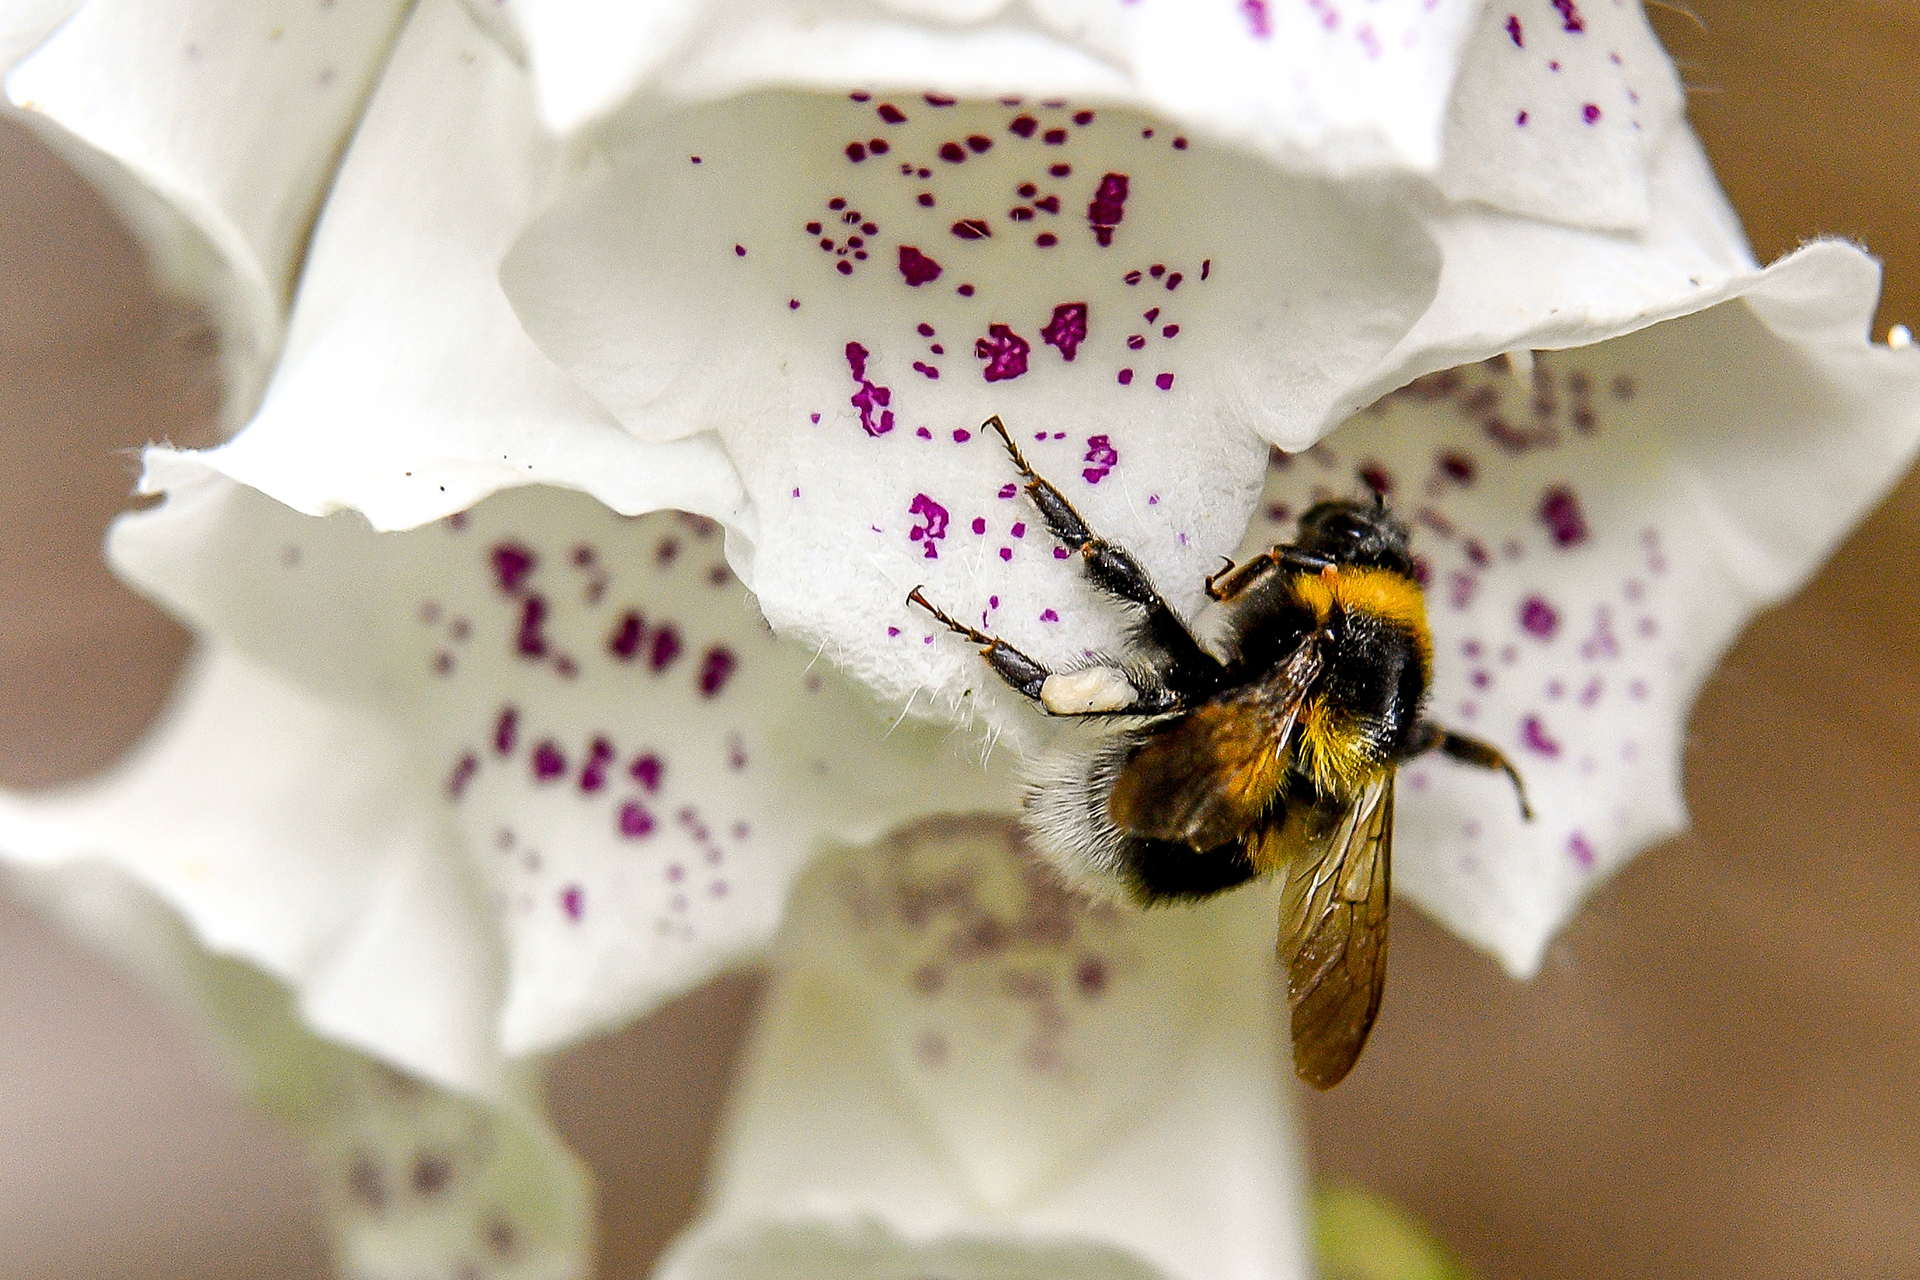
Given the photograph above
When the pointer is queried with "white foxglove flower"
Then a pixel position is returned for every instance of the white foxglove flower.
(962, 1069)
(474, 789)
(413, 1180)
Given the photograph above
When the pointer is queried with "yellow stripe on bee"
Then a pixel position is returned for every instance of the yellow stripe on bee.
(1381, 593)
(1335, 751)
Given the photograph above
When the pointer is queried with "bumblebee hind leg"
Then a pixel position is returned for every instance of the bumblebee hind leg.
(1481, 755)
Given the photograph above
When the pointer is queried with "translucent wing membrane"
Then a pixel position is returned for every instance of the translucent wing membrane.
(1333, 925)
(1210, 777)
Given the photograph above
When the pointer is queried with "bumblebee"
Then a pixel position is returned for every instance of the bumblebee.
(1271, 748)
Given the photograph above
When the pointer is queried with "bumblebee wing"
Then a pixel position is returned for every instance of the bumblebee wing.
(1210, 776)
(1333, 926)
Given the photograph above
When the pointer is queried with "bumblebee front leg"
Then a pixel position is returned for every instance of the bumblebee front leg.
(1481, 755)
(1236, 578)
(1091, 691)
(1114, 570)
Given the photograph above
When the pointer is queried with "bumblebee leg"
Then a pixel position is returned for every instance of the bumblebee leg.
(1114, 570)
(1089, 691)
(1481, 755)
(1011, 665)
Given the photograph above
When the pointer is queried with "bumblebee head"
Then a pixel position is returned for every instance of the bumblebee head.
(1363, 534)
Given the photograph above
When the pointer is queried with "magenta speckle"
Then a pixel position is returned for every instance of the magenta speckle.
(1023, 126)
(961, 435)
(971, 229)
(1521, 120)
(1006, 553)
(739, 251)
(979, 524)
(573, 902)
(1126, 377)
(1067, 329)
(532, 641)
(979, 143)
(917, 267)
(506, 731)
(716, 668)
(871, 396)
(1046, 239)
(856, 151)
(1258, 22)
(1135, 341)
(593, 774)
(1513, 31)
(1108, 208)
(1170, 331)
(463, 771)
(1538, 618)
(934, 528)
(1101, 458)
(1581, 850)
(548, 762)
(1164, 381)
(646, 771)
(1019, 529)
(1534, 733)
(512, 563)
(890, 113)
(1006, 491)
(1590, 113)
(952, 152)
(1560, 511)
(635, 821)
(1570, 19)
(1004, 351)
(624, 643)
(666, 647)
(1059, 553)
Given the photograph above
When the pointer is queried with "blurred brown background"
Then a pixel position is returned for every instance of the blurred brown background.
(1717, 1075)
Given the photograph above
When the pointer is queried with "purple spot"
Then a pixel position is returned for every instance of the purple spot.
(961, 435)
(1375, 477)
(1054, 137)
(926, 199)
(870, 396)
(1255, 12)
(1109, 206)
(1179, 144)
(856, 151)
(1004, 351)
(935, 527)
(506, 731)
(1126, 377)
(926, 370)
(1059, 553)
(635, 821)
(1006, 553)
(716, 669)
(1019, 529)
(530, 643)
(1457, 467)
(627, 633)
(971, 229)
(1022, 126)
(1513, 31)
(572, 901)
(979, 143)
(979, 524)
(1164, 381)
(917, 267)
(1048, 615)
(1101, 458)
(1538, 618)
(1046, 240)
(739, 251)
(890, 113)
(952, 152)
(1581, 851)
(1570, 19)
(1521, 120)
(1590, 113)
(1157, 270)
(1170, 331)
(1068, 328)
(1460, 589)
(593, 774)
(666, 647)
(1091, 976)
(1006, 491)
(548, 763)
(1534, 734)
(463, 771)
(1135, 341)
(1560, 511)
(512, 562)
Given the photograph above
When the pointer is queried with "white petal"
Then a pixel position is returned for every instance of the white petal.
(1595, 538)
(1560, 108)
(589, 719)
(413, 1180)
(1511, 283)
(1322, 87)
(843, 290)
(25, 23)
(282, 828)
(407, 390)
(962, 1071)
(214, 126)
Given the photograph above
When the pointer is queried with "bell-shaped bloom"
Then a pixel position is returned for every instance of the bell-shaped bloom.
(491, 764)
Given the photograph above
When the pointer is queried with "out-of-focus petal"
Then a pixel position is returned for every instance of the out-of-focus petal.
(413, 1180)
(408, 390)
(843, 290)
(1596, 528)
(962, 1071)
(215, 126)
(588, 721)
(1321, 86)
